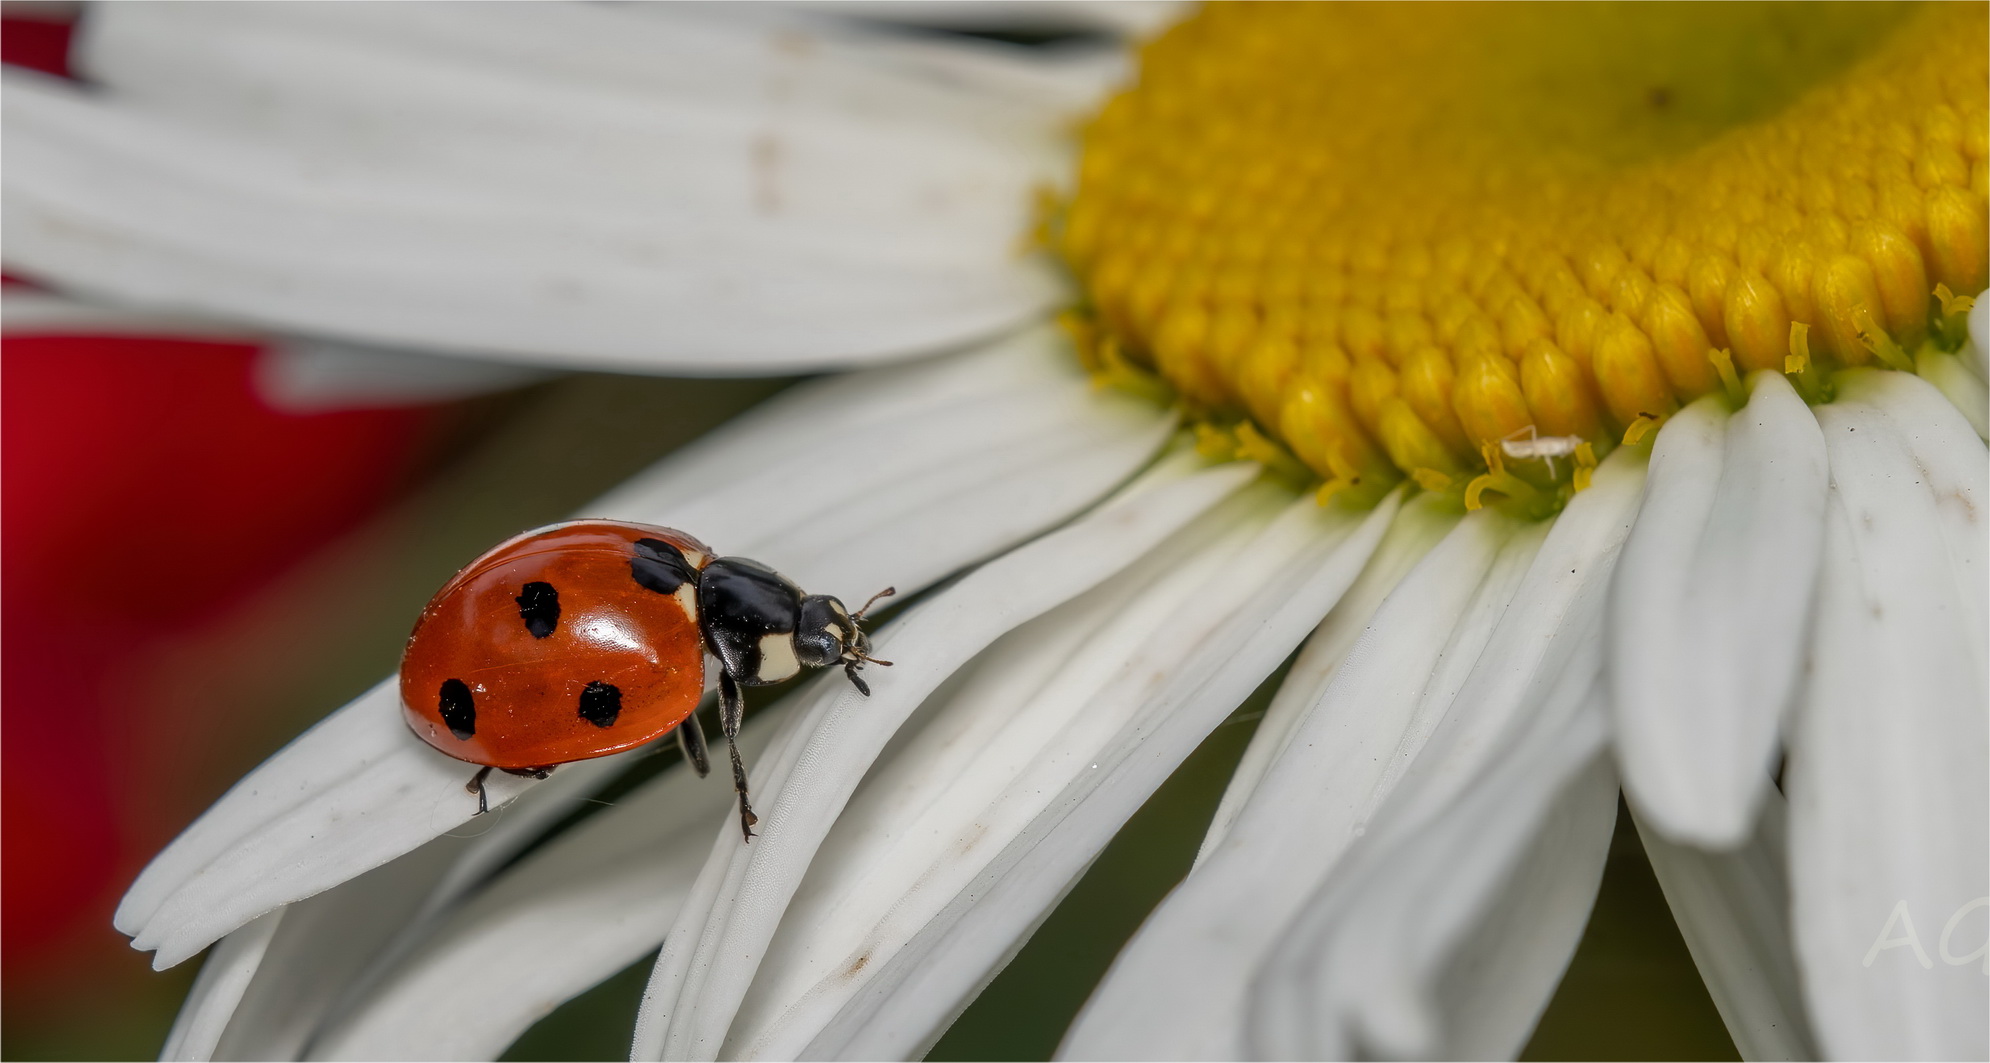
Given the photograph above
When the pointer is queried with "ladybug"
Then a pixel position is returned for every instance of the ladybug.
(587, 638)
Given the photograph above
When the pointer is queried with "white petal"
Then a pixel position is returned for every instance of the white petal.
(1733, 910)
(322, 946)
(1709, 609)
(1498, 981)
(1450, 942)
(1561, 594)
(1422, 523)
(269, 841)
(902, 475)
(313, 376)
(712, 953)
(218, 989)
(445, 869)
(1952, 467)
(1135, 18)
(1069, 78)
(359, 789)
(1889, 764)
(914, 831)
(26, 312)
(1181, 987)
(574, 912)
(311, 65)
(297, 374)
(685, 193)
(1366, 968)
(479, 853)
(1959, 385)
(1459, 660)
(345, 937)
(965, 839)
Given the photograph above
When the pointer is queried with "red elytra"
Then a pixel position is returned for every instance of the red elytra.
(479, 683)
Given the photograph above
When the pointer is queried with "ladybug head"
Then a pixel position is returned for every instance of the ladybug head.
(830, 634)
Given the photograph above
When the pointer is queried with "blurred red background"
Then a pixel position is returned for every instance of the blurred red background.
(144, 494)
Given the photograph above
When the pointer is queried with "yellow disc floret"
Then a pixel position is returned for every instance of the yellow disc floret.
(1457, 242)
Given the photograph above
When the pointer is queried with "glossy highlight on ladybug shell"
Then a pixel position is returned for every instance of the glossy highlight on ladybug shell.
(565, 643)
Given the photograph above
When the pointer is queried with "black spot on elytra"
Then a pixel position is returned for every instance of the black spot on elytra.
(600, 703)
(459, 709)
(660, 566)
(539, 606)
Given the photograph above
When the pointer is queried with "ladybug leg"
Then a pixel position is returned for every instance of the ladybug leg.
(476, 783)
(731, 709)
(691, 739)
(850, 666)
(476, 786)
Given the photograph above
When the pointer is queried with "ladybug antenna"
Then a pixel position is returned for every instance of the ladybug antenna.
(856, 651)
(886, 593)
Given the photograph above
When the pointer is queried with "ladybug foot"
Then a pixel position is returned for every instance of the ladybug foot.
(476, 786)
(476, 783)
(746, 821)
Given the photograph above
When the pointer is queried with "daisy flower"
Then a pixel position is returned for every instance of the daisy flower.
(1582, 397)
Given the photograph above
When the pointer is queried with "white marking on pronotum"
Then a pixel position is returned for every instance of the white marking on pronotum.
(777, 657)
(686, 596)
(1546, 448)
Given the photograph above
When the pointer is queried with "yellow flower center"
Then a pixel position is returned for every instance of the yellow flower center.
(1480, 244)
